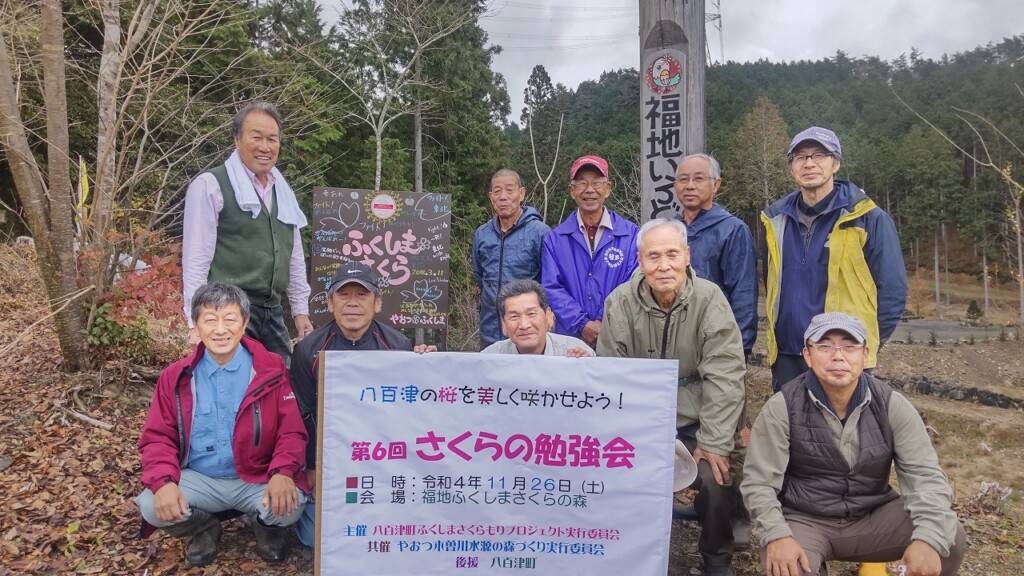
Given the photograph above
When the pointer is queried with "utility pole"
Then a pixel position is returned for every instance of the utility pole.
(672, 107)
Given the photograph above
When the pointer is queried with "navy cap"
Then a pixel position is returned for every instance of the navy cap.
(352, 271)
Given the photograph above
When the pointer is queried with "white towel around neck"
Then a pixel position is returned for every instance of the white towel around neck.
(288, 210)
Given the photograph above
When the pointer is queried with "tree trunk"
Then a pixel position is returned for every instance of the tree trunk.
(418, 136)
(48, 209)
(1020, 257)
(378, 159)
(938, 290)
(984, 275)
(106, 143)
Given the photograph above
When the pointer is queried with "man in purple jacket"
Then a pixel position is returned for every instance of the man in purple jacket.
(588, 255)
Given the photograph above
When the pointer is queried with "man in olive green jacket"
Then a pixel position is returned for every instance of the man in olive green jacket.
(665, 311)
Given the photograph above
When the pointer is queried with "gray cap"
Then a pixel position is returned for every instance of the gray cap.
(824, 323)
(823, 136)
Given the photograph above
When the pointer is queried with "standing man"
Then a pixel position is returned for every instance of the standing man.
(830, 248)
(816, 480)
(223, 433)
(668, 312)
(354, 299)
(505, 248)
(527, 320)
(241, 226)
(588, 255)
(721, 247)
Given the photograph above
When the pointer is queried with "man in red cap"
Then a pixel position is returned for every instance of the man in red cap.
(587, 255)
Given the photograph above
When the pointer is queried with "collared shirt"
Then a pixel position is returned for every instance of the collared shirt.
(203, 203)
(219, 391)
(594, 234)
(554, 345)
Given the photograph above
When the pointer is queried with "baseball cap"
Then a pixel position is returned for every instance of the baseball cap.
(823, 323)
(823, 136)
(596, 161)
(352, 271)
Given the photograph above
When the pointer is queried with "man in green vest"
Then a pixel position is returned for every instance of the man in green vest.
(241, 227)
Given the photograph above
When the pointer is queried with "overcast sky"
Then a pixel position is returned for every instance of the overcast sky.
(576, 40)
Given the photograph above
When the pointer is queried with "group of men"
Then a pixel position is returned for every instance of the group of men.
(232, 428)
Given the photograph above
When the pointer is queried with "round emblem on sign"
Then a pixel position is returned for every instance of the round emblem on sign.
(383, 206)
(664, 74)
(614, 257)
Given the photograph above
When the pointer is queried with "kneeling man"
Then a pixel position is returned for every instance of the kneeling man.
(223, 433)
(527, 320)
(816, 479)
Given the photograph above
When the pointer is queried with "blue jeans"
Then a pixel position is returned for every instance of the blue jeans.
(267, 326)
(217, 495)
(305, 526)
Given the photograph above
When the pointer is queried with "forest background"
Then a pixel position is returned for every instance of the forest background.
(140, 94)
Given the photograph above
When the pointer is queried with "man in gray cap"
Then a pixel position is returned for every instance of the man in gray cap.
(828, 248)
(816, 477)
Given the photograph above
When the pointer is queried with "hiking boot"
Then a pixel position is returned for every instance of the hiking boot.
(205, 531)
(271, 541)
(719, 571)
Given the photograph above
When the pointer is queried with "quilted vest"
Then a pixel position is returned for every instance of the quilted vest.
(819, 481)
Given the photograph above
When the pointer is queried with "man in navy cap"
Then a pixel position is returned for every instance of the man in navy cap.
(353, 298)
(829, 248)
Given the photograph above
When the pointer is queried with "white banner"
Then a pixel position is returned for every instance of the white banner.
(442, 463)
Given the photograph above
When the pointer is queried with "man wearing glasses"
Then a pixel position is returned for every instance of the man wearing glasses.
(721, 247)
(588, 255)
(828, 248)
(505, 248)
(816, 478)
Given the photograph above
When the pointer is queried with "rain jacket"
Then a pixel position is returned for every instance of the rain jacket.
(578, 283)
(498, 260)
(849, 261)
(722, 251)
(269, 437)
(701, 332)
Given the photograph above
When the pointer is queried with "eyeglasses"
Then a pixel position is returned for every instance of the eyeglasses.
(802, 159)
(698, 180)
(583, 185)
(823, 349)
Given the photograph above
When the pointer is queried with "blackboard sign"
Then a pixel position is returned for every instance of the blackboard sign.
(404, 236)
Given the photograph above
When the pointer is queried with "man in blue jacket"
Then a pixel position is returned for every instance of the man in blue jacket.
(721, 247)
(588, 255)
(505, 248)
(829, 248)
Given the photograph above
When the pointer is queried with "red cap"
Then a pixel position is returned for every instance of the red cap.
(596, 161)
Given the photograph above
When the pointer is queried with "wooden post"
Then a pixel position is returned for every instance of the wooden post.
(672, 108)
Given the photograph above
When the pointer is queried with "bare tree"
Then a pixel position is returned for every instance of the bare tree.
(758, 172)
(542, 180)
(984, 158)
(161, 111)
(382, 43)
(45, 195)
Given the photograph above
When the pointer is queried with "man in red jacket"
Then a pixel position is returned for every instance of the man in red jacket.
(223, 433)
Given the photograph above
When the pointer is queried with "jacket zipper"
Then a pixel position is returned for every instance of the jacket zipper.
(501, 270)
(256, 424)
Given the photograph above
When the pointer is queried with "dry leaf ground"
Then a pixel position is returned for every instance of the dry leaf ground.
(66, 485)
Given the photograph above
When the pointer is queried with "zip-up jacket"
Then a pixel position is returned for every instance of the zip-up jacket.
(700, 331)
(268, 438)
(848, 261)
(577, 282)
(498, 260)
(306, 363)
(722, 251)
